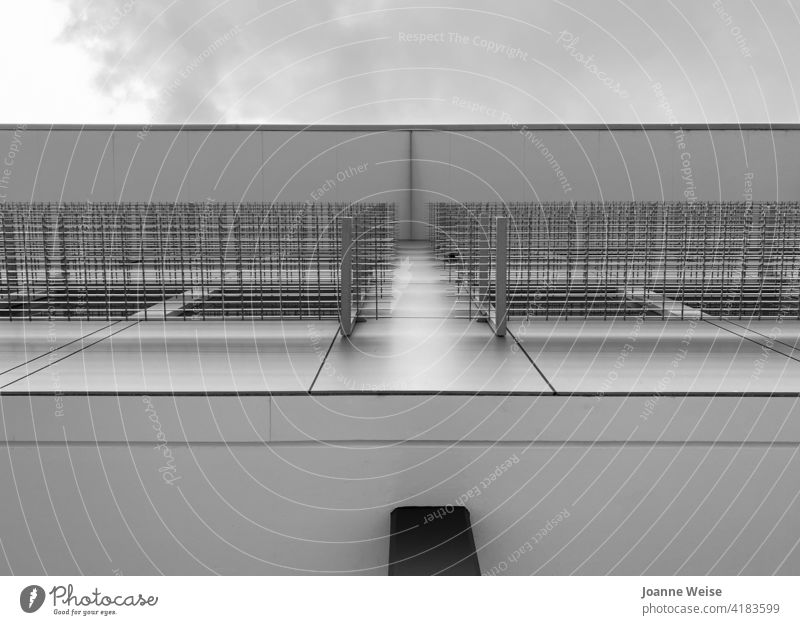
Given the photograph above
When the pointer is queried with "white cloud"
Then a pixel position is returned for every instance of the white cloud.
(307, 61)
(46, 78)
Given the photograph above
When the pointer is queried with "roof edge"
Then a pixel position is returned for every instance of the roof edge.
(398, 127)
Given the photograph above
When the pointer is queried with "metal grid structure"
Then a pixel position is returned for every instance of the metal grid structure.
(665, 260)
(200, 261)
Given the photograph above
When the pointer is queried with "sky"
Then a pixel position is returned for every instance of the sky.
(400, 62)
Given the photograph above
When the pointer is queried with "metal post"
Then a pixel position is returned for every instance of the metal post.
(346, 282)
(483, 266)
(501, 278)
(10, 248)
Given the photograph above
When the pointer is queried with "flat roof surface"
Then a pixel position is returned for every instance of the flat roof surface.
(418, 340)
(400, 356)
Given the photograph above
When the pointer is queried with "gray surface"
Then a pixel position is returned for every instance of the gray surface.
(427, 355)
(134, 419)
(618, 164)
(22, 341)
(381, 418)
(400, 354)
(103, 164)
(555, 419)
(765, 126)
(26, 347)
(419, 285)
(194, 356)
(451, 162)
(783, 336)
(253, 509)
(590, 356)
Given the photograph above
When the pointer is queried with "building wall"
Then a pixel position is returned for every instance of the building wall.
(298, 509)
(200, 165)
(603, 165)
(238, 485)
(449, 164)
(251, 504)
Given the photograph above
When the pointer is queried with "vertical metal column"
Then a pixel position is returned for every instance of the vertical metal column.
(11, 260)
(484, 266)
(346, 282)
(501, 278)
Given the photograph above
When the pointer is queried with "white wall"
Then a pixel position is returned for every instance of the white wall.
(255, 509)
(165, 165)
(514, 165)
(705, 485)
(229, 164)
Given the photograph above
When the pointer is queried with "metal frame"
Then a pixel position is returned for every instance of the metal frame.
(177, 261)
(625, 259)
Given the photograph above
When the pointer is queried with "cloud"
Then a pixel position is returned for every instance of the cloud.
(370, 61)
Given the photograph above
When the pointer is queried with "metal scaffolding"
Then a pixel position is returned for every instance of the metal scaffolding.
(192, 261)
(621, 259)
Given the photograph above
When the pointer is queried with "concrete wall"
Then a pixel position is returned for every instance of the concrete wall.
(457, 164)
(595, 165)
(81, 477)
(253, 509)
(702, 487)
(197, 165)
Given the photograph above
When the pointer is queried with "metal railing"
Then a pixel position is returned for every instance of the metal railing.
(665, 260)
(192, 261)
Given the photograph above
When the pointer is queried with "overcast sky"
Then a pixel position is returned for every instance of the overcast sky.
(370, 61)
